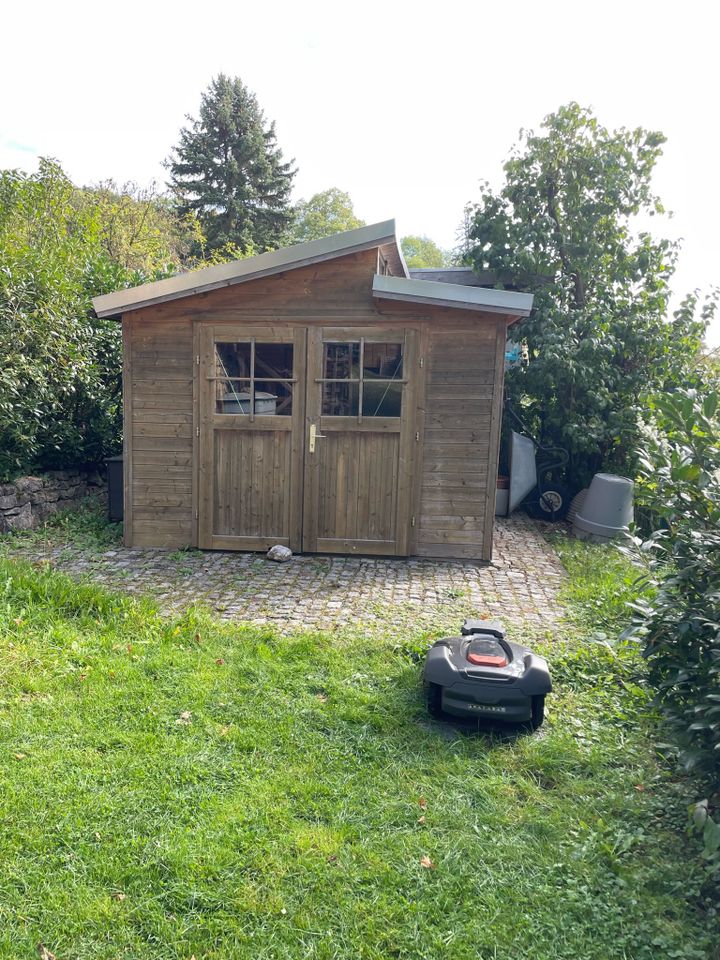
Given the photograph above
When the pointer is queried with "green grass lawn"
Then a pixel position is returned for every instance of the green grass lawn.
(180, 788)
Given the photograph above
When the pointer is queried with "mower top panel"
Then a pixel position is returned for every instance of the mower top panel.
(492, 627)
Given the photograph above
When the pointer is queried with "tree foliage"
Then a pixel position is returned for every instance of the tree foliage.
(423, 252)
(599, 338)
(324, 214)
(229, 172)
(680, 623)
(61, 372)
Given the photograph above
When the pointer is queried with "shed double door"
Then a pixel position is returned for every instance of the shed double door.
(306, 438)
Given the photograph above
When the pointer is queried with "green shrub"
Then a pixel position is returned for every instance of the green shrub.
(680, 625)
(60, 379)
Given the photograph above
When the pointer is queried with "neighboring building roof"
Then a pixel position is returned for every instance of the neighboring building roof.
(453, 295)
(113, 305)
(463, 275)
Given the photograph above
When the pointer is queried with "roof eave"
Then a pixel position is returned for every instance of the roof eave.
(454, 296)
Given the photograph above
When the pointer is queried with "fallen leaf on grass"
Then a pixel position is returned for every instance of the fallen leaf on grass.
(640, 787)
(185, 717)
(421, 819)
(119, 896)
(20, 756)
(18, 621)
(197, 639)
(422, 803)
(225, 730)
(321, 697)
(44, 953)
(219, 661)
(427, 863)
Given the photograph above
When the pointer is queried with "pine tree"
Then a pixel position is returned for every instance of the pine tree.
(228, 170)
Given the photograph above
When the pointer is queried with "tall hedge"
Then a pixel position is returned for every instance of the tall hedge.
(680, 623)
(60, 377)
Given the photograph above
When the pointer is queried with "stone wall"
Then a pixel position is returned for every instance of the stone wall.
(27, 502)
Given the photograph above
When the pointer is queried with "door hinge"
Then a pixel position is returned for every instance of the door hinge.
(412, 521)
(197, 360)
(417, 436)
(197, 515)
(422, 361)
(197, 431)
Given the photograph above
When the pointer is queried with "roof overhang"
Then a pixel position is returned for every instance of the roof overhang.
(458, 296)
(381, 235)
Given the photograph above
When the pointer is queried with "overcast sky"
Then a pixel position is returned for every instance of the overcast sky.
(407, 106)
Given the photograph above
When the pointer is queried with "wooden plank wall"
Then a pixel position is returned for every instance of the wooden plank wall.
(459, 457)
(159, 428)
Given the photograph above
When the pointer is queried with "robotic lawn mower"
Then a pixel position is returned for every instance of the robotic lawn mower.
(481, 674)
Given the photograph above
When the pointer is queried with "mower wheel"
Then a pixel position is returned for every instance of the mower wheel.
(552, 504)
(538, 711)
(433, 693)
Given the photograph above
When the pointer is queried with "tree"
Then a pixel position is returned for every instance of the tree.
(599, 338)
(136, 227)
(228, 170)
(325, 213)
(423, 252)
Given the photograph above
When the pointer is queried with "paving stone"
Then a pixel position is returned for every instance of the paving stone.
(394, 596)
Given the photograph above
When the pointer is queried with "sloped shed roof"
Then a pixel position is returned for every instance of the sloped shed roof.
(399, 286)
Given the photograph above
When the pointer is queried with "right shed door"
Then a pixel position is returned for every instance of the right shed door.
(360, 433)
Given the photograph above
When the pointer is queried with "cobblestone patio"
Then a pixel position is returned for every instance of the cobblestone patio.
(378, 595)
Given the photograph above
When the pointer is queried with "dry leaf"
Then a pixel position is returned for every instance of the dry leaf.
(20, 756)
(640, 787)
(18, 621)
(97, 835)
(321, 697)
(427, 863)
(44, 953)
(219, 661)
(421, 819)
(422, 803)
(119, 896)
(185, 717)
(196, 638)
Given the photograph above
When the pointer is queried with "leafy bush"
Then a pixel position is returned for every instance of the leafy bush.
(680, 624)
(60, 380)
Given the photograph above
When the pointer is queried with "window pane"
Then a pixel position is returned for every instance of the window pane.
(274, 360)
(341, 361)
(382, 398)
(383, 360)
(273, 373)
(340, 399)
(232, 359)
(282, 393)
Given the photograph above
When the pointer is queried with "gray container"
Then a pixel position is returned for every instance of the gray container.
(265, 403)
(607, 511)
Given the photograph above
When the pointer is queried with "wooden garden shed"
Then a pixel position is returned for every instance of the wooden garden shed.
(319, 396)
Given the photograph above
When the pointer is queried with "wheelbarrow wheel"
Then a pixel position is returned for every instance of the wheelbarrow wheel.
(552, 504)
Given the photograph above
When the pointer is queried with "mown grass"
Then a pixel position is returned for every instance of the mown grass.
(179, 788)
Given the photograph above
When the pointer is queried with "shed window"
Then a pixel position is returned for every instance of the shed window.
(253, 378)
(362, 379)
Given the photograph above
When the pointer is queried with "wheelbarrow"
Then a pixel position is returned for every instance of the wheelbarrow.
(532, 481)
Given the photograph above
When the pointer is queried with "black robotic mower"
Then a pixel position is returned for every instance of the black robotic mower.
(481, 674)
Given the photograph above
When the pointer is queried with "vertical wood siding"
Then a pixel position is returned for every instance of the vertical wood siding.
(459, 457)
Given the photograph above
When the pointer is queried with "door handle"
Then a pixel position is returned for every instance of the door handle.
(314, 435)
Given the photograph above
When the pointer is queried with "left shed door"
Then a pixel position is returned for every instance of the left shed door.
(252, 394)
